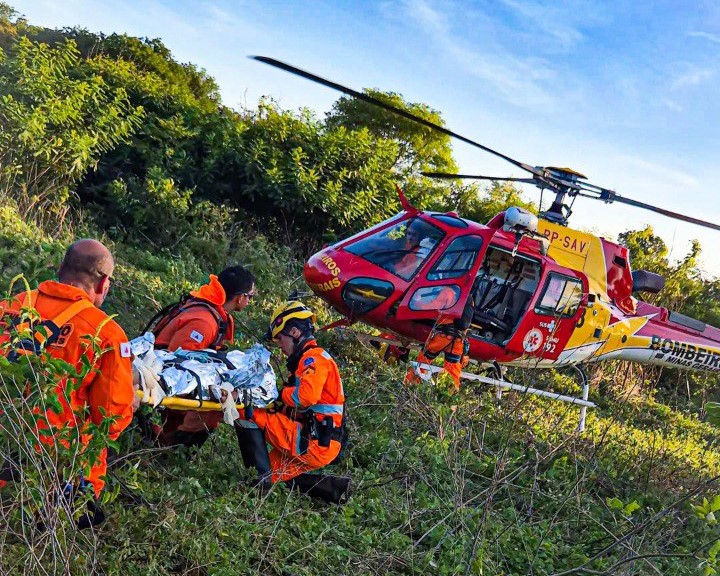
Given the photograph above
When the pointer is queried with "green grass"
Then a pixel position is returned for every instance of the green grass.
(443, 484)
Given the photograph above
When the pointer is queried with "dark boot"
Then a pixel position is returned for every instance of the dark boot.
(189, 439)
(331, 489)
(93, 517)
(253, 448)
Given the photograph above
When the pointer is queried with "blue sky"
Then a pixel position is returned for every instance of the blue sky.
(626, 92)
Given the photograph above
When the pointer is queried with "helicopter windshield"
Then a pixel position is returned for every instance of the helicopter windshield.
(400, 249)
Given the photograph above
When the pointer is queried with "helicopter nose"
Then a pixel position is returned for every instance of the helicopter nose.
(322, 273)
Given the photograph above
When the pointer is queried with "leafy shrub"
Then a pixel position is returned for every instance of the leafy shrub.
(56, 118)
(40, 506)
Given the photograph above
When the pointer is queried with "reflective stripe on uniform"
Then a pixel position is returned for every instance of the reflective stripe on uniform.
(327, 408)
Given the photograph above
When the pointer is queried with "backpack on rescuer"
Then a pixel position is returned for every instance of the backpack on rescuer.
(44, 333)
(163, 317)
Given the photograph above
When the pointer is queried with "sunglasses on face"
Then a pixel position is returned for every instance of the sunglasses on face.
(250, 295)
(109, 277)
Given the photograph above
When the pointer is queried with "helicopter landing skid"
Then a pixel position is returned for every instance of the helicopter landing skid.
(425, 371)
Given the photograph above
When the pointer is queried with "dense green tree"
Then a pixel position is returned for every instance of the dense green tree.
(179, 136)
(647, 250)
(684, 284)
(314, 177)
(419, 148)
(481, 204)
(56, 118)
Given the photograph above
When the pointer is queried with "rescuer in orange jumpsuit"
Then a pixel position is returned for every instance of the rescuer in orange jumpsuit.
(306, 432)
(448, 336)
(71, 306)
(201, 321)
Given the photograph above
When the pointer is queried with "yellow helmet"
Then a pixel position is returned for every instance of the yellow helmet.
(292, 310)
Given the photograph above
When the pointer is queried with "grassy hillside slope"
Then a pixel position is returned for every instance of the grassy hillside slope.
(111, 137)
(444, 484)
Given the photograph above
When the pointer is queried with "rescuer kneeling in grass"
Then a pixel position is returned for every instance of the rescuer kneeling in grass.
(306, 427)
(68, 321)
(202, 320)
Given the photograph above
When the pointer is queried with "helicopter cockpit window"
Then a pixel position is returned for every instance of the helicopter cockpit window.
(453, 221)
(457, 259)
(400, 249)
(435, 297)
(561, 297)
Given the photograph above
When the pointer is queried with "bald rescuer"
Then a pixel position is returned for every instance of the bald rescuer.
(70, 312)
(306, 428)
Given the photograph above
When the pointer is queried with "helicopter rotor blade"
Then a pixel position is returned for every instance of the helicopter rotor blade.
(543, 177)
(663, 211)
(610, 196)
(394, 109)
(448, 176)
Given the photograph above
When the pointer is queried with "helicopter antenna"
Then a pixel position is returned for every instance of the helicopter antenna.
(561, 181)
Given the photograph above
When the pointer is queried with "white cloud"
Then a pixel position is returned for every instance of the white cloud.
(672, 105)
(663, 171)
(691, 77)
(706, 35)
(550, 18)
(519, 80)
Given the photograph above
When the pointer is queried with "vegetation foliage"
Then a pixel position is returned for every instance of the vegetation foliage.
(109, 136)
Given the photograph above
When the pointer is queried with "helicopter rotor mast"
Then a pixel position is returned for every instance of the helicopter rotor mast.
(562, 182)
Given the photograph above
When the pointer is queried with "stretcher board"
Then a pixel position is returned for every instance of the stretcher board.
(176, 403)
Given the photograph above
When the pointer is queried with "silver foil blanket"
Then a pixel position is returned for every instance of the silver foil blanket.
(200, 373)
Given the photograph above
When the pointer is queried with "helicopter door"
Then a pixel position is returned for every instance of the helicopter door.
(446, 287)
(549, 323)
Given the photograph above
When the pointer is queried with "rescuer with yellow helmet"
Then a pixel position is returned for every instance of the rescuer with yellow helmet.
(306, 429)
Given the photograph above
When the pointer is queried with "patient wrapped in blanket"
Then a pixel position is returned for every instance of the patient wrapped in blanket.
(204, 374)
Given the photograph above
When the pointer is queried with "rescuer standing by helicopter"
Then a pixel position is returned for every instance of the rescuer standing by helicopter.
(448, 337)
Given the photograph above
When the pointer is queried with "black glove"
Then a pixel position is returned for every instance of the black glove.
(277, 406)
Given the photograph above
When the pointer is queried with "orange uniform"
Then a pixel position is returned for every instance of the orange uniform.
(201, 323)
(197, 327)
(448, 337)
(316, 393)
(108, 387)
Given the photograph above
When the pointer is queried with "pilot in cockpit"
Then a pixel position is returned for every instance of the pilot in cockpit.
(415, 249)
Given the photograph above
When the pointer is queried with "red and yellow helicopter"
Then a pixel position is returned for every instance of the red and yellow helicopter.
(545, 295)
